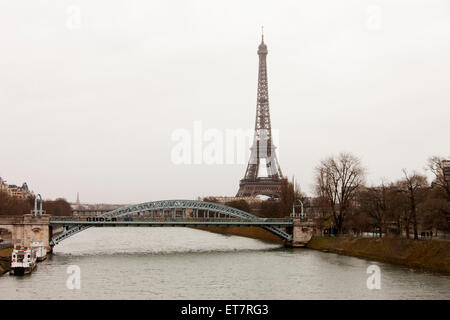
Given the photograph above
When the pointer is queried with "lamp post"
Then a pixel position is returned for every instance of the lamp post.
(302, 215)
(35, 211)
(293, 214)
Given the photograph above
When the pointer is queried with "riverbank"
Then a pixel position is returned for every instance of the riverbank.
(5, 263)
(426, 255)
(249, 232)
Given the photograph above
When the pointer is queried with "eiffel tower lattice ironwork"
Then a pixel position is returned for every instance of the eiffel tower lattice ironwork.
(262, 156)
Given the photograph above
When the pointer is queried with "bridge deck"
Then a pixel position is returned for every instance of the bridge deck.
(160, 221)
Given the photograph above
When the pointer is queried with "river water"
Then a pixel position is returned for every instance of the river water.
(183, 263)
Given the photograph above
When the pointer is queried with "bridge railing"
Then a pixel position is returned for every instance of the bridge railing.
(165, 219)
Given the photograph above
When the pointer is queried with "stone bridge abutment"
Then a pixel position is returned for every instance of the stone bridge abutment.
(27, 228)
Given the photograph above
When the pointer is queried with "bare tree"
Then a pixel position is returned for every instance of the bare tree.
(398, 209)
(321, 214)
(373, 202)
(437, 205)
(13, 206)
(435, 213)
(413, 185)
(435, 165)
(239, 204)
(337, 181)
(58, 207)
(290, 194)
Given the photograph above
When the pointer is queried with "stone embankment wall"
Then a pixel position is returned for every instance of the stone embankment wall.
(249, 232)
(427, 255)
(27, 228)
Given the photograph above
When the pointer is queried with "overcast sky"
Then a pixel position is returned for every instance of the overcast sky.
(91, 92)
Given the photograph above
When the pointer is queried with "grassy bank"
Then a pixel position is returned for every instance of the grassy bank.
(427, 255)
(249, 232)
(5, 255)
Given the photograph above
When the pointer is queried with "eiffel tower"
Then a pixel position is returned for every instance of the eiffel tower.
(262, 157)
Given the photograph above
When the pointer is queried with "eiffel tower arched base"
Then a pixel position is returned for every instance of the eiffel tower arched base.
(260, 186)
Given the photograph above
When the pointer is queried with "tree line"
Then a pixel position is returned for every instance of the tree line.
(13, 206)
(343, 203)
(401, 207)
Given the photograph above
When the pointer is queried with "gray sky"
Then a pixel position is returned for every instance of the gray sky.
(92, 91)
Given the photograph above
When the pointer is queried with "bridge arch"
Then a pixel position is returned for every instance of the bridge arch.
(162, 205)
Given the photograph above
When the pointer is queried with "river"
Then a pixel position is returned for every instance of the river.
(183, 263)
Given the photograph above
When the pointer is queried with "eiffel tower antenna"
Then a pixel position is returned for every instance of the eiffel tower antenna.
(263, 154)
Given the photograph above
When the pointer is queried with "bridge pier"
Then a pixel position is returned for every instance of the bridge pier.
(302, 232)
(27, 228)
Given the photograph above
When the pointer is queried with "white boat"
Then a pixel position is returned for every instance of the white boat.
(23, 261)
(41, 251)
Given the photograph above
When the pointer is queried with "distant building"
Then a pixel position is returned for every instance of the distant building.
(224, 200)
(446, 169)
(3, 185)
(21, 192)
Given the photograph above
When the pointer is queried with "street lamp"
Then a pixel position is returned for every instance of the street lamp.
(302, 215)
(35, 211)
(293, 214)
